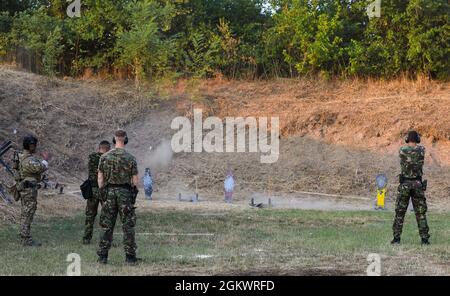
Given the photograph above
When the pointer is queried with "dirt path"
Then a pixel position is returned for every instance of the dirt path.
(303, 201)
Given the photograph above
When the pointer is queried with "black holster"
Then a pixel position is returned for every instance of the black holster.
(134, 194)
(424, 185)
(31, 185)
(403, 179)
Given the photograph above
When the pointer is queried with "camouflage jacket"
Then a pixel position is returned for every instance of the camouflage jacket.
(411, 161)
(94, 159)
(118, 167)
(31, 168)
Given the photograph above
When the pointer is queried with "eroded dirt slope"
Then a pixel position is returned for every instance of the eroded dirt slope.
(336, 136)
(357, 114)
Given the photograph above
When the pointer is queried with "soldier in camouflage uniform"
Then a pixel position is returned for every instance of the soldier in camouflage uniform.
(117, 180)
(29, 174)
(411, 186)
(92, 203)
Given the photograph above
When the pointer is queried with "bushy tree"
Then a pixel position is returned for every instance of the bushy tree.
(92, 37)
(238, 38)
(141, 44)
(382, 50)
(201, 54)
(5, 28)
(52, 52)
(40, 34)
(429, 37)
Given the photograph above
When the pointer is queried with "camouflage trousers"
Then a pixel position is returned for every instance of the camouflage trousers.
(91, 213)
(28, 199)
(118, 201)
(417, 195)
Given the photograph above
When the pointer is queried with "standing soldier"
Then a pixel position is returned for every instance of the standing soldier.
(411, 186)
(29, 174)
(92, 203)
(117, 181)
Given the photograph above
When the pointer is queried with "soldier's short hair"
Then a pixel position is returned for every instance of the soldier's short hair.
(412, 136)
(120, 134)
(29, 140)
(104, 144)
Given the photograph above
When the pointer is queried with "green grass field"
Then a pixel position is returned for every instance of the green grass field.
(238, 242)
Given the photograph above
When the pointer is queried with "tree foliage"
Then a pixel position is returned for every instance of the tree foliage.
(237, 38)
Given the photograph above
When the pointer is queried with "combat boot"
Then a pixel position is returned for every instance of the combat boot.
(395, 241)
(425, 242)
(132, 260)
(103, 259)
(31, 243)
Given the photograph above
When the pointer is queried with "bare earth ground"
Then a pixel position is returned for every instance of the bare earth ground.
(339, 153)
(336, 136)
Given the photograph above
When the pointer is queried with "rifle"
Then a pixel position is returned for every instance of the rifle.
(47, 184)
(3, 149)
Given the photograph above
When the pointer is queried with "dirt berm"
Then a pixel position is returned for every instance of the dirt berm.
(335, 135)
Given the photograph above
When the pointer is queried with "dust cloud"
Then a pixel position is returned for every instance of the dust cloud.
(160, 157)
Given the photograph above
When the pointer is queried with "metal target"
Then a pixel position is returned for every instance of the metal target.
(381, 180)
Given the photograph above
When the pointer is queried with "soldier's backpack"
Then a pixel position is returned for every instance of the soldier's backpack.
(86, 189)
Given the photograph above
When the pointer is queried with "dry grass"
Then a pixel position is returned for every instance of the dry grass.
(337, 135)
(355, 113)
(68, 116)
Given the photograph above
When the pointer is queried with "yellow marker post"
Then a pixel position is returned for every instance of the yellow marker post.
(381, 182)
(381, 195)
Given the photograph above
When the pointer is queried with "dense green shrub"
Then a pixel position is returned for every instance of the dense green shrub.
(237, 38)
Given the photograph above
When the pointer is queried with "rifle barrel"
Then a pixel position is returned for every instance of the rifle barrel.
(4, 144)
(5, 147)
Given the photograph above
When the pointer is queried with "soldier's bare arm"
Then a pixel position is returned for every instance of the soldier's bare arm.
(100, 176)
(100, 180)
(135, 180)
(134, 173)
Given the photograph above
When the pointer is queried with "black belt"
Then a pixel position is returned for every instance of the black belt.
(125, 186)
(31, 185)
(404, 179)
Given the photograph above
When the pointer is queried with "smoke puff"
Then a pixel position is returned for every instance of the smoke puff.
(160, 157)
